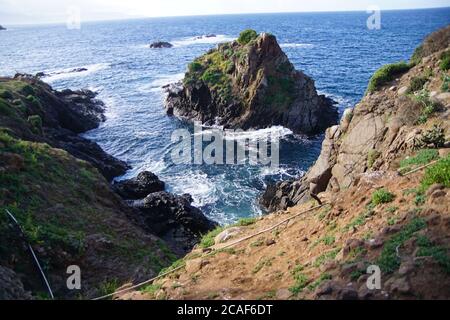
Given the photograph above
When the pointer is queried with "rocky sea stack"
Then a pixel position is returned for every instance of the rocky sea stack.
(250, 84)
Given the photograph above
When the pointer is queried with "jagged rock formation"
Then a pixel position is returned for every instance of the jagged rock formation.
(250, 83)
(174, 219)
(166, 215)
(139, 187)
(386, 122)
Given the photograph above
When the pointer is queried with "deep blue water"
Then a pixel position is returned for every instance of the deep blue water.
(336, 49)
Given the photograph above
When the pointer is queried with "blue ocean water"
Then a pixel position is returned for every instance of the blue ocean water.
(336, 49)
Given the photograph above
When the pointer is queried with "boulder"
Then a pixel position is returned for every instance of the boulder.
(174, 219)
(140, 187)
(160, 45)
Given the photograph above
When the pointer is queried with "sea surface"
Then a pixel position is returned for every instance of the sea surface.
(336, 49)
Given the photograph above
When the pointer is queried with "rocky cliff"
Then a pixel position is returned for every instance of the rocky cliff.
(384, 180)
(56, 184)
(401, 112)
(250, 83)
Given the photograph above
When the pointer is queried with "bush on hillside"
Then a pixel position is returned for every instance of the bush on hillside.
(247, 36)
(386, 74)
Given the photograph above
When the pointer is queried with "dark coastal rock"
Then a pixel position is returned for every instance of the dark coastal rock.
(74, 70)
(63, 115)
(11, 286)
(161, 45)
(250, 86)
(174, 219)
(140, 187)
(2, 28)
(212, 35)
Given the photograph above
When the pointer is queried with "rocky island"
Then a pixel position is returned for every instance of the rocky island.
(2, 28)
(250, 84)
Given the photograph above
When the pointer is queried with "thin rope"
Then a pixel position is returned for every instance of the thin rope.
(420, 168)
(211, 253)
(36, 260)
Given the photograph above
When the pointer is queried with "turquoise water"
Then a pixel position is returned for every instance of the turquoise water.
(336, 49)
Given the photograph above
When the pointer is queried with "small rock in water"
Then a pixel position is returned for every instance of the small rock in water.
(160, 45)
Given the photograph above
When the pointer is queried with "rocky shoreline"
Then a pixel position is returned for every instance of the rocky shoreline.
(364, 141)
(34, 117)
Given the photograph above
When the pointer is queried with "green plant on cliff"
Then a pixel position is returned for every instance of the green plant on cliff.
(445, 61)
(438, 173)
(386, 74)
(382, 196)
(434, 136)
(417, 56)
(421, 158)
(372, 156)
(417, 84)
(247, 36)
(428, 107)
(36, 123)
(445, 83)
(389, 260)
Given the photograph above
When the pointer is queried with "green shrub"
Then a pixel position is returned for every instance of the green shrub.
(36, 123)
(438, 173)
(421, 158)
(324, 277)
(208, 239)
(445, 83)
(427, 249)
(386, 74)
(372, 156)
(382, 196)
(388, 260)
(435, 136)
(27, 90)
(417, 84)
(445, 61)
(428, 107)
(244, 222)
(6, 94)
(247, 36)
(195, 67)
(417, 56)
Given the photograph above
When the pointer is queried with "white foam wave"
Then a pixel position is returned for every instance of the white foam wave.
(297, 45)
(272, 132)
(197, 184)
(274, 171)
(162, 80)
(220, 38)
(54, 75)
